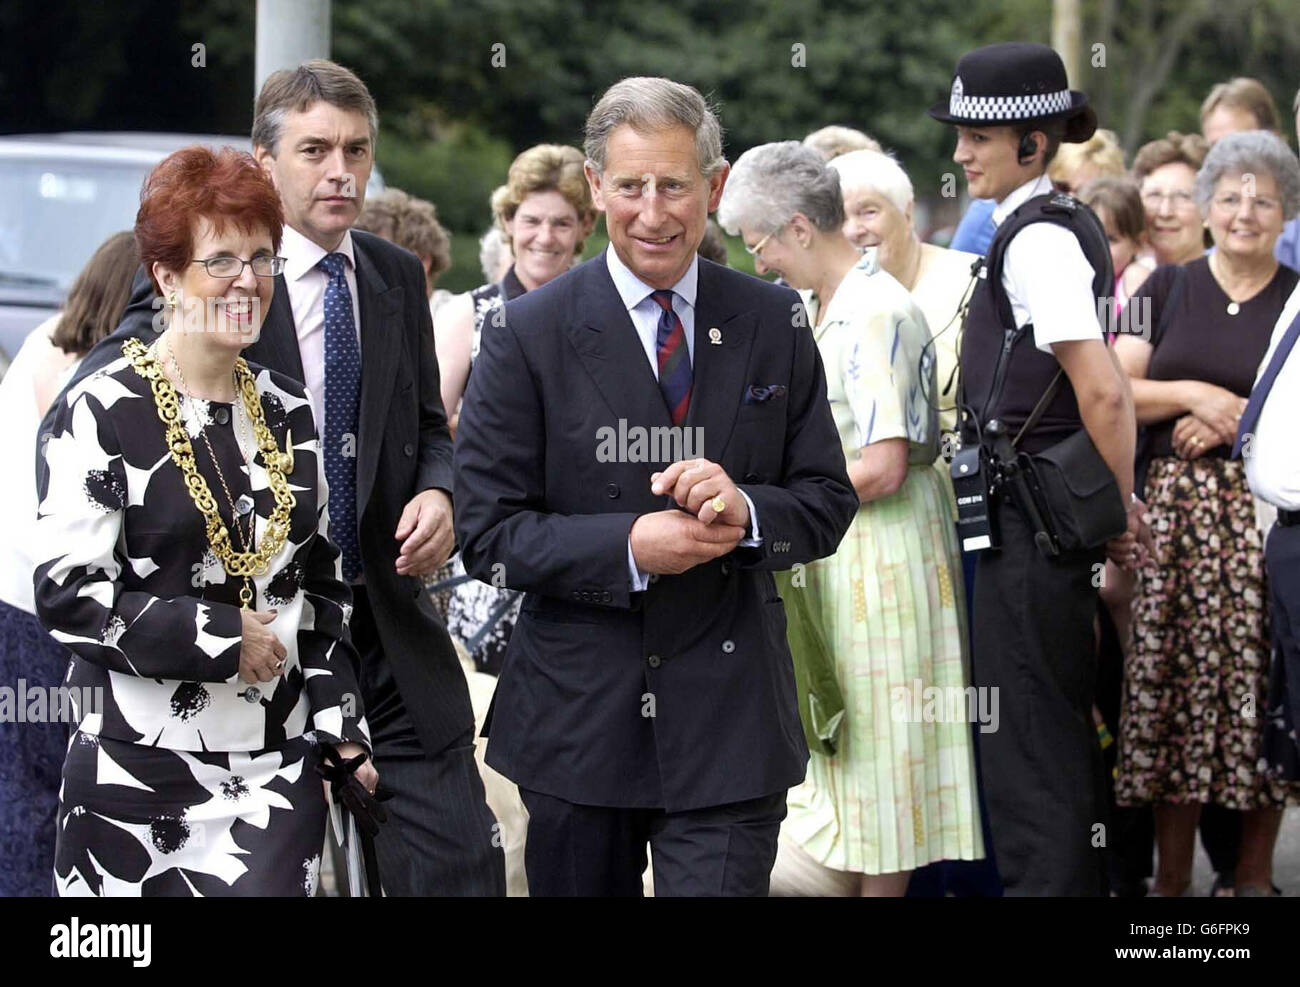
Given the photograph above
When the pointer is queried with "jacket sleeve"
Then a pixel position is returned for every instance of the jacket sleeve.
(502, 523)
(435, 456)
(79, 596)
(808, 509)
(325, 650)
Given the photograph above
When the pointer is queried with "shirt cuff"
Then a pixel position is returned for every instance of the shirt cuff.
(637, 581)
(756, 538)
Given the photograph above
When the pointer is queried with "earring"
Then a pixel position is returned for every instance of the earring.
(171, 300)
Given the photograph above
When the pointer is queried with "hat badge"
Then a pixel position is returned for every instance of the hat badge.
(957, 87)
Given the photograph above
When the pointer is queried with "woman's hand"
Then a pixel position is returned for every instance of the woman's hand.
(365, 774)
(261, 655)
(1130, 549)
(1218, 408)
(1192, 437)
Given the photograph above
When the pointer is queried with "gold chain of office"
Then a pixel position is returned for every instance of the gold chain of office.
(278, 466)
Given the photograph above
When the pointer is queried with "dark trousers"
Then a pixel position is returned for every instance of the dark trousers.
(1282, 559)
(1042, 771)
(440, 838)
(584, 851)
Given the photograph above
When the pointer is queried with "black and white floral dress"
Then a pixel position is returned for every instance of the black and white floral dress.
(182, 779)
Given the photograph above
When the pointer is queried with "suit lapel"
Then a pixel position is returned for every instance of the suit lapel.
(608, 346)
(381, 343)
(719, 368)
(277, 346)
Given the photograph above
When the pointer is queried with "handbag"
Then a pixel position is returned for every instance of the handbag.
(821, 704)
(1077, 494)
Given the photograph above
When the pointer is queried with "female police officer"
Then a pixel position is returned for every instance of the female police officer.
(1032, 328)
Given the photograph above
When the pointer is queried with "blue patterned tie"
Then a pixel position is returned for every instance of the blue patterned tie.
(674, 359)
(1258, 394)
(342, 408)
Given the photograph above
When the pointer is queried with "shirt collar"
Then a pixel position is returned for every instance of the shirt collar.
(301, 255)
(511, 286)
(634, 291)
(1037, 186)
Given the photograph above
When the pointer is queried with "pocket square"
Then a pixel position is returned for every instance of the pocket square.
(758, 393)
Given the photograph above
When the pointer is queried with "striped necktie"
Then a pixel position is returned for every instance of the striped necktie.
(674, 359)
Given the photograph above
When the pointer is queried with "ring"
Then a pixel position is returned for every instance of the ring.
(718, 504)
(1196, 440)
(279, 664)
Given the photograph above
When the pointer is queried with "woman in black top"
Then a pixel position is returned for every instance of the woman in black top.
(1190, 733)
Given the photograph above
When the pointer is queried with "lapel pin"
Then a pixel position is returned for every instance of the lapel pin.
(715, 336)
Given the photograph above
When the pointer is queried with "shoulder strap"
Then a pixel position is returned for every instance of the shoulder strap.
(1062, 210)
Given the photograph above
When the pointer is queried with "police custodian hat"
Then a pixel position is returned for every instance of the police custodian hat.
(1015, 82)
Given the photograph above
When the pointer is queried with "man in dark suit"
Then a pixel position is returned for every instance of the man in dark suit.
(350, 319)
(648, 692)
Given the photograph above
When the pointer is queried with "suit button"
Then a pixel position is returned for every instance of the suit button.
(408, 450)
(611, 490)
(252, 694)
(728, 646)
(752, 478)
(726, 567)
(654, 661)
(221, 416)
(654, 577)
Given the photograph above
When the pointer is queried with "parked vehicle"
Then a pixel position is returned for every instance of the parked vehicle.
(61, 196)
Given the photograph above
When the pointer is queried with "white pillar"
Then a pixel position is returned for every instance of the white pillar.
(289, 32)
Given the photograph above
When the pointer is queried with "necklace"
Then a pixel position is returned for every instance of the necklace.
(278, 465)
(1234, 306)
(245, 540)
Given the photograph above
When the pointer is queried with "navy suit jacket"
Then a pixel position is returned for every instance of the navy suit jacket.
(682, 696)
(403, 447)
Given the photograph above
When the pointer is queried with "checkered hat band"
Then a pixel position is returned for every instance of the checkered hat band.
(1009, 107)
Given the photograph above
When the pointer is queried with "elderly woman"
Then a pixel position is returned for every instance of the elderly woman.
(546, 211)
(897, 794)
(1165, 171)
(878, 204)
(1190, 734)
(185, 564)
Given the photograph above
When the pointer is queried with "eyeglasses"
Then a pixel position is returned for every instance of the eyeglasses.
(226, 266)
(1231, 202)
(757, 248)
(1154, 199)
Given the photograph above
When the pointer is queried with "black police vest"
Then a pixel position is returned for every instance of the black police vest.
(990, 326)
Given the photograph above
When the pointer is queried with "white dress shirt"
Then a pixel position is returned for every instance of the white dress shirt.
(306, 283)
(1047, 278)
(1273, 463)
(644, 312)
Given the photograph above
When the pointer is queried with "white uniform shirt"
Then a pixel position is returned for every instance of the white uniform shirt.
(1273, 463)
(1047, 278)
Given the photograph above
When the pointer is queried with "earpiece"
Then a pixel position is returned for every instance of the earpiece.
(1028, 148)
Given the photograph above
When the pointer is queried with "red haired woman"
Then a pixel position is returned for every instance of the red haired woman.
(185, 564)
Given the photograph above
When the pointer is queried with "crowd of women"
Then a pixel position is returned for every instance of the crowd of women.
(1203, 269)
